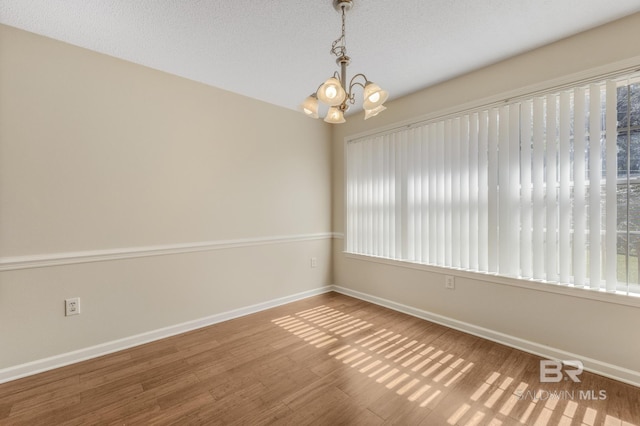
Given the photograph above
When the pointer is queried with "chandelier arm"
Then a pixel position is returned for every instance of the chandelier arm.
(349, 98)
(353, 83)
(366, 80)
(357, 83)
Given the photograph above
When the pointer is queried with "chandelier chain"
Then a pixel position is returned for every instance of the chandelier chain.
(340, 50)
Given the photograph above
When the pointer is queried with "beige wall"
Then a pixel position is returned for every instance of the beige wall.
(589, 328)
(101, 154)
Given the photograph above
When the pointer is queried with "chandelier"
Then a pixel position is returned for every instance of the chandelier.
(335, 93)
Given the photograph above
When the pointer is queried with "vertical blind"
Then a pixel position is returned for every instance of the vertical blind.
(525, 190)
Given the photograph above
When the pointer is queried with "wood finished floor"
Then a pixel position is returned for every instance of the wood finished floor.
(326, 360)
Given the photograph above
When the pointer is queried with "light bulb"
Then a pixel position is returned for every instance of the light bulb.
(334, 115)
(331, 92)
(374, 96)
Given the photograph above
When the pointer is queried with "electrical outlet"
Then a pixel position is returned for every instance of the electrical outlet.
(314, 262)
(72, 306)
(449, 282)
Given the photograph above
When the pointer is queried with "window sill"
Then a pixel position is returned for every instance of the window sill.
(535, 285)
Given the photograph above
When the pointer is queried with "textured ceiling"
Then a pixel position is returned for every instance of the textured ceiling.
(278, 51)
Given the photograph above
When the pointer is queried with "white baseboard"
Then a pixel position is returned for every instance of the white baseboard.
(592, 365)
(41, 365)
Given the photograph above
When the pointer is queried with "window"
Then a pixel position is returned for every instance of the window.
(545, 188)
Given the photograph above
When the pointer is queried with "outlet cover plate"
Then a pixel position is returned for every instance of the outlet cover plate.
(72, 306)
(449, 282)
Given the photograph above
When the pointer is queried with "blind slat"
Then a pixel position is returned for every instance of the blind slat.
(473, 193)
(611, 186)
(551, 235)
(564, 195)
(409, 154)
(526, 245)
(514, 190)
(447, 246)
(465, 167)
(537, 177)
(433, 195)
(579, 193)
(483, 191)
(492, 199)
(504, 264)
(440, 205)
(424, 162)
(455, 193)
(595, 174)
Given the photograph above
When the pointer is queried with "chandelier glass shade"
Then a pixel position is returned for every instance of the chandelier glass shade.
(310, 106)
(331, 92)
(335, 115)
(374, 96)
(368, 113)
(335, 92)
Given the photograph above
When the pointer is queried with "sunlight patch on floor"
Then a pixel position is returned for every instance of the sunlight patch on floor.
(421, 372)
(387, 358)
(497, 397)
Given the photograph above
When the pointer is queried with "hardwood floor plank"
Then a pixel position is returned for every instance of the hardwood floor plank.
(170, 385)
(43, 410)
(119, 409)
(115, 372)
(182, 395)
(5, 409)
(322, 403)
(182, 410)
(622, 400)
(263, 416)
(162, 374)
(65, 386)
(329, 359)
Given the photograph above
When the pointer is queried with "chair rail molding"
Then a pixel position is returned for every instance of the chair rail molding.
(87, 256)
